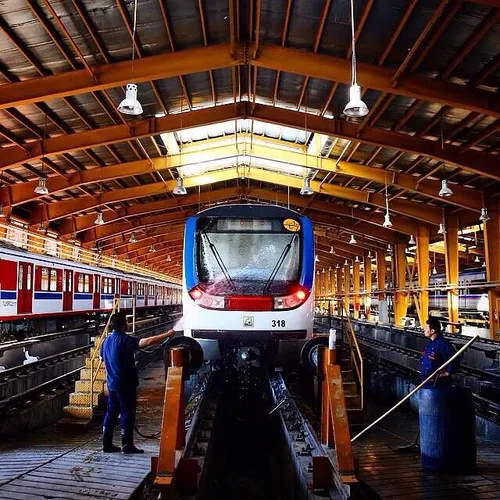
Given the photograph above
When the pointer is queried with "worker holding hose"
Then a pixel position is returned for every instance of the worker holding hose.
(117, 352)
(437, 351)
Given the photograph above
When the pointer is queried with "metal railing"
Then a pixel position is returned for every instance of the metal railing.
(97, 363)
(355, 356)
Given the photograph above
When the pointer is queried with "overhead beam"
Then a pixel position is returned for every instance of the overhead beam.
(407, 84)
(471, 160)
(70, 83)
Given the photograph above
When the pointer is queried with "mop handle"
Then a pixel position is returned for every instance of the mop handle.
(417, 388)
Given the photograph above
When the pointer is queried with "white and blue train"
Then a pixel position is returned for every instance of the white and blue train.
(248, 278)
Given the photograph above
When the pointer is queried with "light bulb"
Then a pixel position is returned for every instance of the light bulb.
(99, 221)
(130, 105)
(476, 259)
(441, 229)
(306, 187)
(355, 108)
(387, 221)
(484, 217)
(352, 241)
(412, 240)
(332, 251)
(41, 188)
(179, 188)
(445, 191)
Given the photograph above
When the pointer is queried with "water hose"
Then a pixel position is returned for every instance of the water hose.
(430, 377)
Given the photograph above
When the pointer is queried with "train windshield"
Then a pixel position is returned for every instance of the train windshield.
(248, 256)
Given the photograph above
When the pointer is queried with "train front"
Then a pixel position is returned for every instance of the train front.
(248, 281)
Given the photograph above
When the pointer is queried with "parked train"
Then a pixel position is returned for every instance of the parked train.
(41, 286)
(248, 278)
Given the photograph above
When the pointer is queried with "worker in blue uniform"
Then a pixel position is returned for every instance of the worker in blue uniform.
(437, 351)
(117, 352)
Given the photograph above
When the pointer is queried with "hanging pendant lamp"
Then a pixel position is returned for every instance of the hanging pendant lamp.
(132, 238)
(445, 191)
(412, 240)
(441, 229)
(306, 189)
(179, 188)
(484, 217)
(355, 108)
(99, 221)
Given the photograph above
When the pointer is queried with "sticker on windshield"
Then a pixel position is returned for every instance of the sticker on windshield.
(291, 225)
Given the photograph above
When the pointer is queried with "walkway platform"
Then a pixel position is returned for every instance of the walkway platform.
(50, 463)
(393, 474)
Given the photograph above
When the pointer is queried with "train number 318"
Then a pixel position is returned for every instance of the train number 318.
(278, 323)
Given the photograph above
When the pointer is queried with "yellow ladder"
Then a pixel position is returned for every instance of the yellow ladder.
(85, 398)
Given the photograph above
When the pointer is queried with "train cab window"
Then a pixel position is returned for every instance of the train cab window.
(53, 280)
(20, 278)
(28, 277)
(86, 283)
(151, 290)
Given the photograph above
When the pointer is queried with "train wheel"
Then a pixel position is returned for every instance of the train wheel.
(309, 352)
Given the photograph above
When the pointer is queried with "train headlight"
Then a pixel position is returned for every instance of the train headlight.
(290, 301)
(206, 300)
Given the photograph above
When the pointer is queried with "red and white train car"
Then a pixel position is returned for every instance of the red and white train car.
(33, 285)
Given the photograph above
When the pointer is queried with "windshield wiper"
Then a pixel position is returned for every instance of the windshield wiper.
(278, 264)
(219, 260)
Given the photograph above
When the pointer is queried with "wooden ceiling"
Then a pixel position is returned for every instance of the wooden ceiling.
(429, 71)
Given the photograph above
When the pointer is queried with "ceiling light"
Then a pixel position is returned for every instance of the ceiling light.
(369, 256)
(412, 240)
(357, 259)
(389, 248)
(40, 228)
(434, 270)
(441, 229)
(323, 271)
(132, 238)
(41, 188)
(387, 221)
(332, 251)
(306, 187)
(445, 190)
(152, 249)
(337, 266)
(484, 217)
(316, 258)
(355, 108)
(99, 221)
(169, 258)
(352, 241)
(476, 259)
(484, 263)
(130, 105)
(179, 188)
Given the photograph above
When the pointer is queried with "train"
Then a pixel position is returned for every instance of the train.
(36, 286)
(248, 279)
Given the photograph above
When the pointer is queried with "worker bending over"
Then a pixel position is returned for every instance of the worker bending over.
(437, 351)
(122, 380)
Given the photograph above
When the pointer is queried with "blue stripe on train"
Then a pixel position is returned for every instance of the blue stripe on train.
(189, 254)
(107, 297)
(307, 272)
(48, 295)
(83, 296)
(8, 295)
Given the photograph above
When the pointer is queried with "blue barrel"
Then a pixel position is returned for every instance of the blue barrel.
(447, 430)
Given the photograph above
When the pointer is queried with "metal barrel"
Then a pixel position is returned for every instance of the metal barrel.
(447, 429)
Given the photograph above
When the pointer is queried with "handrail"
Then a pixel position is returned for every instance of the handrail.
(97, 344)
(359, 369)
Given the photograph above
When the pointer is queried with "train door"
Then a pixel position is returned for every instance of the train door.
(96, 304)
(67, 290)
(25, 288)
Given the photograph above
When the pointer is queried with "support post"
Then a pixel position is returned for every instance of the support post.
(368, 285)
(355, 284)
(451, 261)
(492, 255)
(423, 273)
(347, 287)
(400, 304)
(338, 288)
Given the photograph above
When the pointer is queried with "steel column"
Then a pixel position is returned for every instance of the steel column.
(347, 287)
(492, 255)
(400, 296)
(423, 273)
(355, 280)
(451, 261)
(368, 285)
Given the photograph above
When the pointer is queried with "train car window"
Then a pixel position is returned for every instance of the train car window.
(53, 280)
(129, 288)
(28, 277)
(20, 278)
(86, 282)
(44, 285)
(151, 290)
(248, 256)
(79, 283)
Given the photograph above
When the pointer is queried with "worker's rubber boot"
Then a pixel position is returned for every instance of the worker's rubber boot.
(107, 440)
(128, 446)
